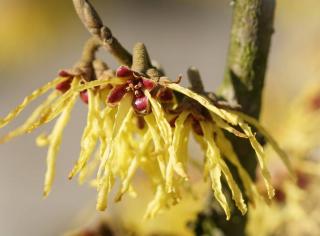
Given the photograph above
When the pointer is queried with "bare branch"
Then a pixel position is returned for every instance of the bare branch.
(89, 50)
(251, 33)
(94, 25)
(252, 28)
(195, 80)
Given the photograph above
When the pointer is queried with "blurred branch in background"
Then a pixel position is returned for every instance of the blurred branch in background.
(251, 32)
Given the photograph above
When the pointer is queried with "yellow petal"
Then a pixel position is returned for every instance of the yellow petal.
(224, 125)
(224, 114)
(89, 138)
(53, 111)
(35, 94)
(43, 140)
(163, 124)
(42, 108)
(235, 190)
(55, 141)
(106, 125)
(126, 182)
(228, 151)
(214, 169)
(167, 136)
(117, 154)
(282, 154)
(123, 115)
(89, 169)
(156, 204)
(58, 106)
(261, 158)
(215, 152)
(104, 190)
(154, 131)
(215, 176)
(178, 153)
(96, 83)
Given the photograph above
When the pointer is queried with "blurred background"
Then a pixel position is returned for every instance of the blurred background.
(38, 38)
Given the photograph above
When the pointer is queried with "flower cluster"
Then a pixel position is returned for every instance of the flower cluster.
(135, 122)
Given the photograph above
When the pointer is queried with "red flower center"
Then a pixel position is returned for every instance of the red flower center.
(134, 84)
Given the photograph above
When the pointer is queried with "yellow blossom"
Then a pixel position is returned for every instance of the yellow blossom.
(135, 124)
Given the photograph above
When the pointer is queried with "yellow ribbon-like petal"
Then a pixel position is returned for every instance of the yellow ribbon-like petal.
(55, 141)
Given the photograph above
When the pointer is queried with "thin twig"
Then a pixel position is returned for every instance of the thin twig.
(85, 65)
(94, 24)
(89, 50)
(195, 80)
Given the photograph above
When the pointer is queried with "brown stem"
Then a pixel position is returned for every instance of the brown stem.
(89, 50)
(195, 80)
(85, 66)
(94, 24)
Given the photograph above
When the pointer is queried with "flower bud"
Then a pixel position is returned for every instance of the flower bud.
(117, 94)
(141, 105)
(64, 73)
(64, 86)
(148, 84)
(123, 71)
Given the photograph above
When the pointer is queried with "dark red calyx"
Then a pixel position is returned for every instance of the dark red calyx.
(197, 127)
(124, 71)
(141, 105)
(64, 73)
(64, 86)
(84, 96)
(117, 94)
(165, 95)
(148, 84)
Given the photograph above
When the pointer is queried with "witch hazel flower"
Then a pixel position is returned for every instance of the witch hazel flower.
(136, 123)
(134, 85)
(65, 91)
(121, 148)
(65, 85)
(207, 122)
(168, 141)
